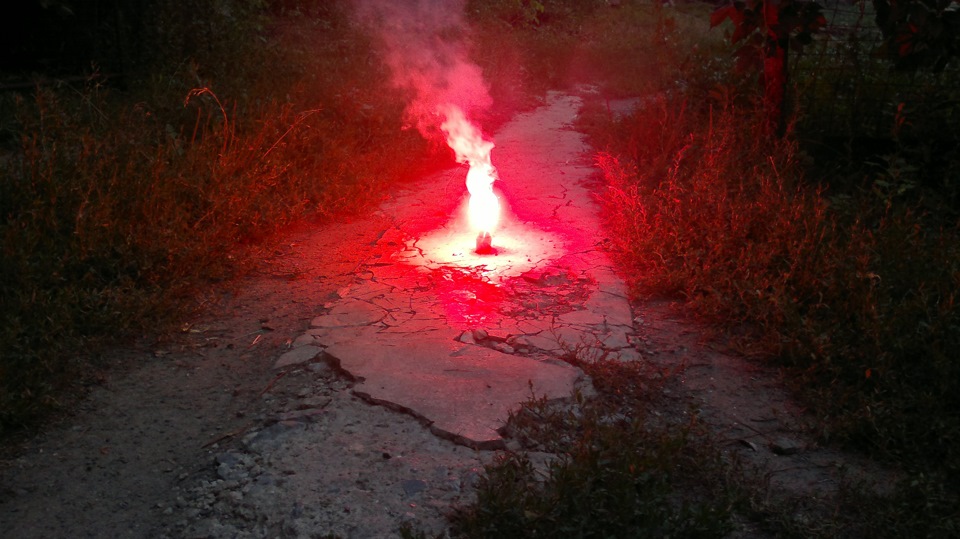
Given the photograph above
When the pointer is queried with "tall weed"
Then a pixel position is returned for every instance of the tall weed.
(714, 214)
(120, 208)
(857, 299)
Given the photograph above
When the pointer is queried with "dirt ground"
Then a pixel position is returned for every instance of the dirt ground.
(199, 436)
(116, 466)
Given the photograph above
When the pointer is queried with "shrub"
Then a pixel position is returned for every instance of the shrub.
(118, 207)
(854, 294)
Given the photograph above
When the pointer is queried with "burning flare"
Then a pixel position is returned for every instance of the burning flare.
(470, 147)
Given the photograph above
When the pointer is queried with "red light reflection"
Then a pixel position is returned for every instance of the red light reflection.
(468, 300)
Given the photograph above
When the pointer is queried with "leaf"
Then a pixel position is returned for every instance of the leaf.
(721, 14)
(742, 31)
(906, 47)
(749, 59)
(771, 14)
(749, 444)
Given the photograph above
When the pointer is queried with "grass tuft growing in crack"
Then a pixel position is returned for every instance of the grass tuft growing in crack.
(602, 467)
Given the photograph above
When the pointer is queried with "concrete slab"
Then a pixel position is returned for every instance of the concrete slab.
(297, 356)
(464, 392)
(351, 312)
(454, 337)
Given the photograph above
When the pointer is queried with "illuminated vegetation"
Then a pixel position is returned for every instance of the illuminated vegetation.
(844, 273)
(841, 268)
(119, 207)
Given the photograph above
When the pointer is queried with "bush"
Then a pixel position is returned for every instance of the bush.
(117, 206)
(855, 294)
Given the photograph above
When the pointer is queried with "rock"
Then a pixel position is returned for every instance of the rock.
(231, 473)
(305, 415)
(412, 487)
(319, 367)
(349, 313)
(314, 402)
(785, 446)
(229, 458)
(297, 356)
(304, 339)
(513, 445)
(259, 441)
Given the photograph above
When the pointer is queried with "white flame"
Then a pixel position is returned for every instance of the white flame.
(470, 147)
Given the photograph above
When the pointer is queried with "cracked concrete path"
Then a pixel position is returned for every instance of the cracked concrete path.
(459, 339)
(428, 333)
(240, 427)
(440, 336)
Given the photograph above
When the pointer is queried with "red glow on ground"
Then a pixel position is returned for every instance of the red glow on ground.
(517, 246)
(468, 300)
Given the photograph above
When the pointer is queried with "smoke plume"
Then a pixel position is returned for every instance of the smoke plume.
(424, 43)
